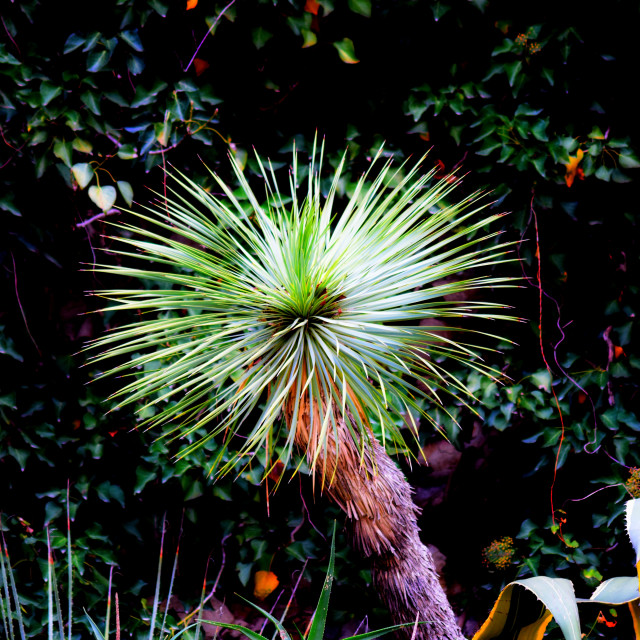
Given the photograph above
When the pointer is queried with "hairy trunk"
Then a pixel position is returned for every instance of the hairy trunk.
(376, 497)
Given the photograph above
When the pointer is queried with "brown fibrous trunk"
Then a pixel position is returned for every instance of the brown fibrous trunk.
(367, 485)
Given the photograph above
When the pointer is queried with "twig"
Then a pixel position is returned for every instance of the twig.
(102, 214)
(15, 44)
(155, 152)
(117, 617)
(610, 353)
(304, 504)
(211, 28)
(546, 364)
(186, 619)
(561, 328)
(15, 282)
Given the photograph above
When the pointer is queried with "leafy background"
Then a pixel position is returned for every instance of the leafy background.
(530, 100)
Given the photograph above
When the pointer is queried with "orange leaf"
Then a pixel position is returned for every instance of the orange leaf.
(276, 471)
(200, 65)
(312, 6)
(265, 582)
(192, 4)
(572, 168)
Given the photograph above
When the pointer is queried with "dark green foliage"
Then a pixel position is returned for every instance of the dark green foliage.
(508, 92)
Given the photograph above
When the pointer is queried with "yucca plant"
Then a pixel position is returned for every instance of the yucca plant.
(304, 327)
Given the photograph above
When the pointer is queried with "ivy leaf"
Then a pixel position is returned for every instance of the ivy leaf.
(83, 173)
(162, 131)
(48, 92)
(628, 161)
(260, 37)
(125, 191)
(103, 197)
(512, 70)
(310, 38)
(91, 102)
(603, 173)
(72, 43)
(159, 7)
(82, 145)
(363, 7)
(91, 41)
(538, 163)
(127, 152)
(97, 60)
(62, 150)
(135, 65)
(346, 51)
(132, 39)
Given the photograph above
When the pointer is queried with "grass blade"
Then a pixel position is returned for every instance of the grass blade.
(69, 567)
(156, 597)
(5, 602)
(320, 616)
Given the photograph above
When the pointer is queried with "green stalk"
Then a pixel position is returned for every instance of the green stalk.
(108, 616)
(156, 597)
(7, 618)
(173, 575)
(49, 589)
(16, 599)
(69, 566)
(54, 588)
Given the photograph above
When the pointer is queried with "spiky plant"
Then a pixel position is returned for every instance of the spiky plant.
(299, 325)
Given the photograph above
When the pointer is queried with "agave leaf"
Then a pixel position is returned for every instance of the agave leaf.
(633, 525)
(634, 608)
(289, 300)
(523, 617)
(619, 590)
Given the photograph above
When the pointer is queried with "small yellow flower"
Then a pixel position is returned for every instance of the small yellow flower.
(632, 485)
(499, 554)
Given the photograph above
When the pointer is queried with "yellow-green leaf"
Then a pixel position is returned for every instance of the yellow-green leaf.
(346, 51)
(83, 173)
(82, 145)
(125, 191)
(310, 38)
(104, 197)
(363, 7)
(163, 131)
(62, 150)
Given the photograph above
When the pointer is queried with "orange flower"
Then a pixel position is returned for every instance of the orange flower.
(572, 168)
(609, 623)
(200, 66)
(312, 6)
(264, 583)
(192, 4)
